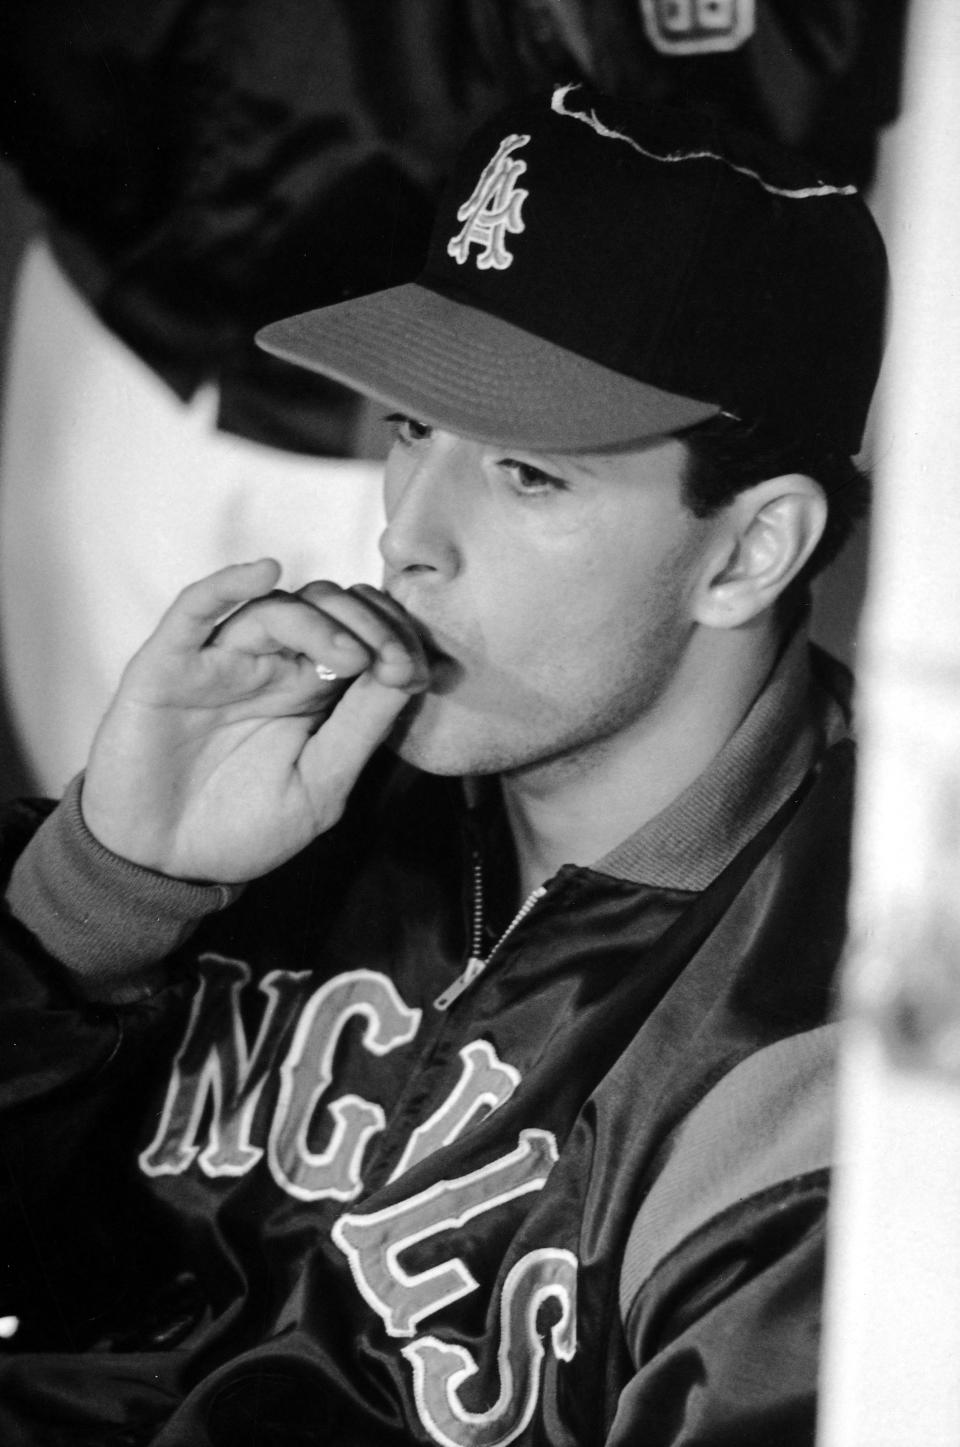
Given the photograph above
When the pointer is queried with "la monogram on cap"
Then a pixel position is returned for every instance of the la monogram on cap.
(493, 209)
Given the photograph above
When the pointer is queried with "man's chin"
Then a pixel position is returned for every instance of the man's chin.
(429, 735)
(417, 741)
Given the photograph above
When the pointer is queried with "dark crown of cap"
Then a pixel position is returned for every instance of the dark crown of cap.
(682, 253)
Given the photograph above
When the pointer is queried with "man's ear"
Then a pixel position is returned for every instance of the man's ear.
(768, 533)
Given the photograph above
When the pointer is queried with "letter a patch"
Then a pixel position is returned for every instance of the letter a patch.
(492, 210)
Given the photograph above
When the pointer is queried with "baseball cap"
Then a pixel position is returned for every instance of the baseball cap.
(601, 272)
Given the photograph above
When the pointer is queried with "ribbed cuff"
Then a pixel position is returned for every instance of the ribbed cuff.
(108, 920)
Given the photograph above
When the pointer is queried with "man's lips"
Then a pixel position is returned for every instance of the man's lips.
(436, 656)
(431, 639)
(445, 669)
(445, 655)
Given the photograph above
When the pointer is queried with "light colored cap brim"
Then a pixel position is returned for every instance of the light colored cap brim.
(461, 369)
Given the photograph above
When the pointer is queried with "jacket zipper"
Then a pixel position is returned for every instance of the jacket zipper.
(476, 964)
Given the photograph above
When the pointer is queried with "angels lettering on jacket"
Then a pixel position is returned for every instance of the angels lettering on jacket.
(213, 1120)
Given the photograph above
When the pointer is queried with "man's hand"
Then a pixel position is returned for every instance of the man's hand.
(240, 727)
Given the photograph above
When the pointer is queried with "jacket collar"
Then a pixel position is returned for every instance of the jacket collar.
(801, 710)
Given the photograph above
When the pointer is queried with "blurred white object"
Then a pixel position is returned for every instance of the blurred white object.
(113, 495)
(892, 1359)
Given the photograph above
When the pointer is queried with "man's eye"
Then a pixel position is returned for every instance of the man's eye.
(407, 429)
(530, 480)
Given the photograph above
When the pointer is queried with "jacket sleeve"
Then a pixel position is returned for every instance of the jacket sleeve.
(84, 939)
(722, 1278)
(88, 1014)
(50, 1035)
(86, 975)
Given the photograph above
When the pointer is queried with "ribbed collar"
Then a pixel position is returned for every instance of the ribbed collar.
(798, 712)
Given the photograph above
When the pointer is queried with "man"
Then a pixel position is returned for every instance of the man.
(475, 1089)
(204, 170)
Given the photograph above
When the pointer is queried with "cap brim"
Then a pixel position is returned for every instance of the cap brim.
(468, 372)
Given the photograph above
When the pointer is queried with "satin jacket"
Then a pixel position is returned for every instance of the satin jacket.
(276, 1194)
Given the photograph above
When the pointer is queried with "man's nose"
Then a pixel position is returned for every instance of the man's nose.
(420, 495)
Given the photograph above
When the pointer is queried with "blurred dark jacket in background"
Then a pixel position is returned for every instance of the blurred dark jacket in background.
(210, 165)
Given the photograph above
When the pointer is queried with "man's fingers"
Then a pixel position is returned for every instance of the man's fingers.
(389, 633)
(334, 757)
(191, 618)
(390, 611)
(342, 632)
(285, 623)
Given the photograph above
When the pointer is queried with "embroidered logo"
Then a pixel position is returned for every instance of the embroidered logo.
(493, 210)
(697, 27)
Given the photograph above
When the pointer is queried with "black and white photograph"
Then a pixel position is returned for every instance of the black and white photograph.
(479, 723)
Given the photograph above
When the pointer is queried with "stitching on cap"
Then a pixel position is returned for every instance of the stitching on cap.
(591, 119)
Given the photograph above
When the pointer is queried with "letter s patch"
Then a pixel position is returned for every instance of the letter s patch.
(374, 1244)
(441, 1368)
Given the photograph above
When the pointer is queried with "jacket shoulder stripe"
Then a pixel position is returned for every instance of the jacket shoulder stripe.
(768, 1120)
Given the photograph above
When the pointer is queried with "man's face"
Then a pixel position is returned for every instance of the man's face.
(557, 590)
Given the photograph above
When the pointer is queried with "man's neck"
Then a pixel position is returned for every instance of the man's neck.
(575, 809)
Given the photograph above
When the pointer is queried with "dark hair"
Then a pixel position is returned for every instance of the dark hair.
(726, 456)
